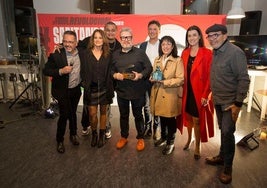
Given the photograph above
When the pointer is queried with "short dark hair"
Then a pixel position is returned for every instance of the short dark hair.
(110, 23)
(156, 22)
(69, 32)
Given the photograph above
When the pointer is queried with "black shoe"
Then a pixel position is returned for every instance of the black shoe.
(73, 139)
(160, 142)
(217, 160)
(226, 175)
(168, 149)
(60, 147)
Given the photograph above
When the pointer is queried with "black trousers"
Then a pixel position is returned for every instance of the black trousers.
(68, 104)
(168, 129)
(124, 108)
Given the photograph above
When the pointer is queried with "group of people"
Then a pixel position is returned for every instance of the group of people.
(172, 91)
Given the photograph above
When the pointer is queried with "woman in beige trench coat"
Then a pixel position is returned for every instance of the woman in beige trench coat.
(166, 94)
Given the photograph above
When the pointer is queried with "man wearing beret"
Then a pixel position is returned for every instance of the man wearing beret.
(229, 85)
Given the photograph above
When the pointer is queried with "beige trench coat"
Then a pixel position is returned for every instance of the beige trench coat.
(166, 97)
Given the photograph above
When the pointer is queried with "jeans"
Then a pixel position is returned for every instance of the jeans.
(124, 108)
(227, 127)
(148, 115)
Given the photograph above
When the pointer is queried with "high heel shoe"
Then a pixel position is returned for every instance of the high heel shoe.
(196, 156)
(186, 147)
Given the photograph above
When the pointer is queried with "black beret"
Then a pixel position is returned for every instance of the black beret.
(217, 27)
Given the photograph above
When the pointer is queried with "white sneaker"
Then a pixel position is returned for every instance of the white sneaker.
(108, 133)
(86, 131)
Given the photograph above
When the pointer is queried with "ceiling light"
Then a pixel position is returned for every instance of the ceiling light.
(236, 12)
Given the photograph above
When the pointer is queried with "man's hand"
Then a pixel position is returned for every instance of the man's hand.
(57, 47)
(66, 70)
(235, 111)
(118, 76)
(138, 76)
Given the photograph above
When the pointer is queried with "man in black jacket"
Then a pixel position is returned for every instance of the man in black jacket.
(64, 68)
(130, 69)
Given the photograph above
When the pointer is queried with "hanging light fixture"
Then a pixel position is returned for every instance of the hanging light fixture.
(236, 12)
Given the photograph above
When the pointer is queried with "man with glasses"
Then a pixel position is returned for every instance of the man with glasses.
(229, 85)
(64, 68)
(130, 69)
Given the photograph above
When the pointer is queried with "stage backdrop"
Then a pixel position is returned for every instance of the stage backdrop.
(52, 26)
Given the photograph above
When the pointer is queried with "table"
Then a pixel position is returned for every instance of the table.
(253, 73)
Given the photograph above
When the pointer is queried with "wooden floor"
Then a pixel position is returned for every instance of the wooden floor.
(28, 157)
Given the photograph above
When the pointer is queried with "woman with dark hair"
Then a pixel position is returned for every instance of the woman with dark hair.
(197, 111)
(166, 93)
(98, 86)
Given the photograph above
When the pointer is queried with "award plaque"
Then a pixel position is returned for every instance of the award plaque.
(128, 76)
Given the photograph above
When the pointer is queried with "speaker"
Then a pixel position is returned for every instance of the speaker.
(249, 141)
(25, 20)
(250, 25)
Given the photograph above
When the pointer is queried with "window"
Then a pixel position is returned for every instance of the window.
(112, 6)
(202, 6)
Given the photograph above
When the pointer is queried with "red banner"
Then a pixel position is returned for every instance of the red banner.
(52, 26)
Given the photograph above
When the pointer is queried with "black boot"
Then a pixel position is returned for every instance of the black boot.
(102, 138)
(94, 138)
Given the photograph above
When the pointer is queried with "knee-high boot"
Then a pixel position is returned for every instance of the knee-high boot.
(102, 138)
(94, 138)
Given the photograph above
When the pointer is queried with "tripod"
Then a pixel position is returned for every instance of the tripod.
(32, 85)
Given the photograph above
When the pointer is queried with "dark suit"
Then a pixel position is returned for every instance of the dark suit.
(68, 98)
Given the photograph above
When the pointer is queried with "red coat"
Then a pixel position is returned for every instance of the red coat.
(200, 81)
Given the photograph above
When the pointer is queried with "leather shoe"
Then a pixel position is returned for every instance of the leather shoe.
(160, 142)
(60, 147)
(140, 145)
(121, 143)
(73, 139)
(226, 175)
(217, 160)
(168, 149)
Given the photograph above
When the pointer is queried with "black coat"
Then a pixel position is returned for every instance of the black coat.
(55, 62)
(87, 73)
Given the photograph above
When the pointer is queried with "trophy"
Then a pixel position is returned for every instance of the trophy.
(128, 72)
(128, 75)
(157, 75)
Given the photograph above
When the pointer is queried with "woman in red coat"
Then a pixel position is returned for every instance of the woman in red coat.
(197, 110)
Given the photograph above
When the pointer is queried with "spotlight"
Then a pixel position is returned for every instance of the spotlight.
(50, 112)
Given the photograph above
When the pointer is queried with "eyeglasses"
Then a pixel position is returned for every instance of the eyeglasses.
(68, 42)
(110, 30)
(124, 38)
(213, 36)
